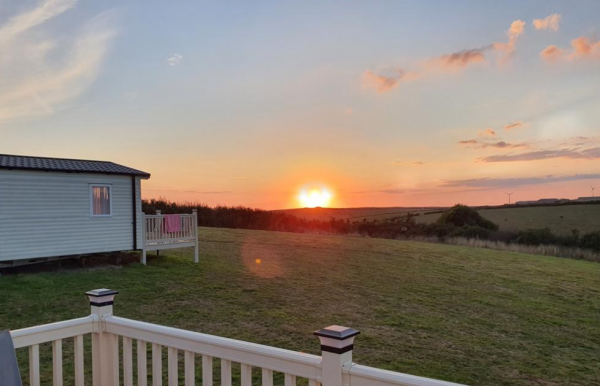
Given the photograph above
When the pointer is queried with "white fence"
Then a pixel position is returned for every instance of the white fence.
(156, 235)
(333, 368)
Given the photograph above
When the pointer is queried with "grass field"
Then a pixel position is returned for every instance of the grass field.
(560, 219)
(473, 316)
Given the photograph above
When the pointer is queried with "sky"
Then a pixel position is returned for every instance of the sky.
(382, 103)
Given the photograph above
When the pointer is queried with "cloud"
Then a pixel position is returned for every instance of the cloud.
(551, 22)
(25, 21)
(587, 154)
(385, 81)
(461, 59)
(388, 79)
(487, 133)
(508, 49)
(40, 74)
(515, 125)
(552, 54)
(415, 163)
(484, 145)
(515, 182)
(582, 48)
(174, 59)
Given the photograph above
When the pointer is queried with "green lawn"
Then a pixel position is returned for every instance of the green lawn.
(473, 316)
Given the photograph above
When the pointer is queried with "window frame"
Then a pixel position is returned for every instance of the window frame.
(110, 199)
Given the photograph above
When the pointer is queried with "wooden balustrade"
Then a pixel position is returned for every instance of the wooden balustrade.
(156, 235)
(334, 368)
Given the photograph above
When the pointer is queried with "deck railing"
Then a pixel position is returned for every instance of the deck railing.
(333, 368)
(156, 235)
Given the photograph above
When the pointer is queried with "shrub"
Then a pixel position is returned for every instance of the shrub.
(537, 237)
(471, 232)
(591, 241)
(462, 215)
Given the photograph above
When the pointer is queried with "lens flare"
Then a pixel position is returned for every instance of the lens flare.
(315, 197)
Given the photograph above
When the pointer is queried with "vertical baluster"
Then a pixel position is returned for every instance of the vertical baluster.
(290, 380)
(34, 365)
(267, 377)
(172, 366)
(127, 362)
(78, 348)
(156, 364)
(190, 371)
(207, 370)
(225, 372)
(57, 370)
(142, 364)
(246, 372)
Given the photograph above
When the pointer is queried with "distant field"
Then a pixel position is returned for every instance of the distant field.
(354, 214)
(560, 219)
(474, 316)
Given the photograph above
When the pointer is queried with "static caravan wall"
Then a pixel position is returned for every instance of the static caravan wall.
(47, 214)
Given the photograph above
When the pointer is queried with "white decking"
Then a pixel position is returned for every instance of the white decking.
(156, 237)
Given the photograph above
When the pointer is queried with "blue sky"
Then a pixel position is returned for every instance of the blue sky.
(247, 102)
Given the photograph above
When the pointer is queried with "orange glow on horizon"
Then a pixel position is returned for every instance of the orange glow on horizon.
(315, 197)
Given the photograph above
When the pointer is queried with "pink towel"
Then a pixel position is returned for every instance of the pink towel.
(172, 223)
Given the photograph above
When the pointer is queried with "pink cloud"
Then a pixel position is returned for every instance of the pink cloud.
(516, 29)
(382, 83)
(484, 145)
(581, 48)
(487, 133)
(515, 125)
(461, 59)
(552, 54)
(584, 47)
(551, 22)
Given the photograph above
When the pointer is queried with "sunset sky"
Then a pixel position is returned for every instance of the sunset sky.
(384, 103)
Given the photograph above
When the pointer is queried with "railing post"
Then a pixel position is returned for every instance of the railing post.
(337, 343)
(105, 346)
(144, 236)
(195, 230)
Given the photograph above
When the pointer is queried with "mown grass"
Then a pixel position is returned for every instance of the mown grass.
(467, 315)
(560, 219)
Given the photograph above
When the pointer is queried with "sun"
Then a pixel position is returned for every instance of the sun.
(315, 197)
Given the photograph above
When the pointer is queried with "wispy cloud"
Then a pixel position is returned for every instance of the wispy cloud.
(551, 22)
(414, 163)
(42, 73)
(515, 125)
(174, 59)
(586, 154)
(495, 144)
(515, 182)
(385, 81)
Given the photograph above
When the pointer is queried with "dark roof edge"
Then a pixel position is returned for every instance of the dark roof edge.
(138, 174)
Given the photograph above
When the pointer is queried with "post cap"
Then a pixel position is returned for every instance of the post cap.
(337, 339)
(101, 297)
(337, 332)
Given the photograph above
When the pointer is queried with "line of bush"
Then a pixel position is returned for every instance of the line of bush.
(459, 222)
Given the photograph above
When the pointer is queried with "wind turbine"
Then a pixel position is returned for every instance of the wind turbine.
(593, 191)
(509, 194)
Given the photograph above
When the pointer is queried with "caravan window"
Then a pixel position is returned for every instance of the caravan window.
(100, 197)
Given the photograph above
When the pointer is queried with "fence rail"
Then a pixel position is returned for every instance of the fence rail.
(333, 368)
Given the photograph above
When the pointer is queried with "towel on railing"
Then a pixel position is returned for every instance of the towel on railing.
(9, 369)
(172, 223)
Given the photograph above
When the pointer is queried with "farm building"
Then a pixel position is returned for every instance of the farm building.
(53, 207)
